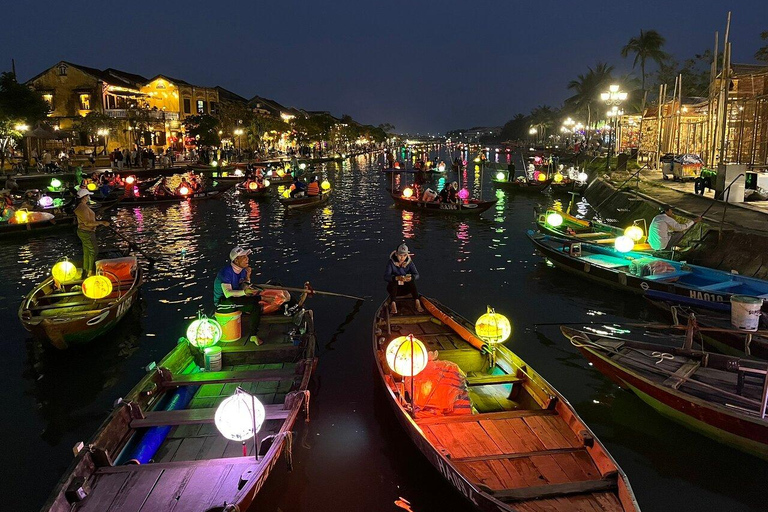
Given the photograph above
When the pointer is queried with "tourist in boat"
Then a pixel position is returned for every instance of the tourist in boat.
(665, 232)
(313, 189)
(7, 207)
(162, 189)
(86, 231)
(182, 186)
(401, 276)
(232, 291)
(298, 188)
(450, 193)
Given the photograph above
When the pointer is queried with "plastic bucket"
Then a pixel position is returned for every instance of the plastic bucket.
(745, 312)
(212, 359)
(230, 325)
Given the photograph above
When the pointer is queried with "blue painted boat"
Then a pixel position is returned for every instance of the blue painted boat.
(640, 272)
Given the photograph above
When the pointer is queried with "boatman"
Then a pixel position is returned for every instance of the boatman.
(665, 232)
(400, 276)
(232, 290)
(86, 231)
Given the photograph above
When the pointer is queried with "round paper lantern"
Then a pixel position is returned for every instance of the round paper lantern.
(408, 192)
(582, 176)
(237, 416)
(45, 201)
(634, 232)
(97, 287)
(624, 244)
(500, 176)
(493, 328)
(325, 185)
(55, 183)
(554, 219)
(184, 191)
(441, 167)
(21, 216)
(204, 332)
(287, 193)
(302, 166)
(280, 173)
(130, 180)
(58, 202)
(266, 182)
(224, 174)
(541, 177)
(407, 356)
(91, 186)
(64, 271)
(253, 185)
(558, 178)
(463, 194)
(238, 172)
(214, 164)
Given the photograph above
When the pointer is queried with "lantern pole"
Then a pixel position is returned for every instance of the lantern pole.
(413, 406)
(256, 444)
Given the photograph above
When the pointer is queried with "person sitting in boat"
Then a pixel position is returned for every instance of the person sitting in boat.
(162, 189)
(429, 195)
(196, 182)
(184, 185)
(313, 189)
(7, 208)
(298, 188)
(232, 291)
(665, 232)
(86, 231)
(401, 275)
(450, 193)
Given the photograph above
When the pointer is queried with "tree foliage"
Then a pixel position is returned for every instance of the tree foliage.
(647, 46)
(762, 52)
(204, 128)
(18, 105)
(95, 121)
(587, 88)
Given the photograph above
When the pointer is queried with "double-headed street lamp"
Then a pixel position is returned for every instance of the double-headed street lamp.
(613, 98)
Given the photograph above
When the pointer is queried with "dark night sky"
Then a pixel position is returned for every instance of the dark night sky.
(420, 65)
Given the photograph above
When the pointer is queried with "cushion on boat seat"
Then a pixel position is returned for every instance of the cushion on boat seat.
(440, 389)
(118, 269)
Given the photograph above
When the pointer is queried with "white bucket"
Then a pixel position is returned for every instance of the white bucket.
(212, 359)
(745, 312)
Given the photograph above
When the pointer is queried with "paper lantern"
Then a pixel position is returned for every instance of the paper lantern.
(493, 328)
(214, 164)
(500, 176)
(266, 182)
(558, 177)
(397, 165)
(45, 201)
(624, 244)
(325, 185)
(97, 287)
(408, 193)
(237, 416)
(55, 183)
(464, 194)
(541, 177)
(184, 191)
(239, 173)
(204, 332)
(554, 219)
(58, 202)
(302, 166)
(130, 180)
(253, 185)
(582, 176)
(91, 186)
(64, 271)
(286, 193)
(280, 173)
(224, 174)
(441, 167)
(407, 356)
(21, 216)
(634, 232)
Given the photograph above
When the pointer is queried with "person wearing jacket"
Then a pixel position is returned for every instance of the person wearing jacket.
(401, 276)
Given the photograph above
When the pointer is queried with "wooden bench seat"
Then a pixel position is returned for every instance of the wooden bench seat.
(196, 416)
(489, 380)
(229, 377)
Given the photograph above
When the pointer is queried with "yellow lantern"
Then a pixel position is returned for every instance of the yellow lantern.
(253, 185)
(542, 177)
(558, 178)
(64, 271)
(493, 328)
(407, 356)
(280, 173)
(408, 192)
(266, 182)
(224, 174)
(325, 185)
(634, 232)
(554, 219)
(624, 244)
(214, 164)
(97, 287)
(21, 216)
(204, 332)
(286, 193)
(91, 186)
(240, 416)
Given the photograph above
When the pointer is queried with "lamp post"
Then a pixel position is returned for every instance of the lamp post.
(613, 98)
(239, 132)
(532, 132)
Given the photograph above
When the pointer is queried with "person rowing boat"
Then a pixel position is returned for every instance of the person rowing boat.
(665, 232)
(86, 231)
(400, 275)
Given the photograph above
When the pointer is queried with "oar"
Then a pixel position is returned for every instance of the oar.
(310, 291)
(133, 244)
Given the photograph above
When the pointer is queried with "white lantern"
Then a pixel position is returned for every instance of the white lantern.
(624, 244)
(237, 416)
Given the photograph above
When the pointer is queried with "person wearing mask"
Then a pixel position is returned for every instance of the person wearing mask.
(86, 231)
(401, 275)
(232, 291)
(665, 232)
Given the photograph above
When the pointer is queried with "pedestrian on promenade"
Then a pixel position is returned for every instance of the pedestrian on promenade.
(665, 232)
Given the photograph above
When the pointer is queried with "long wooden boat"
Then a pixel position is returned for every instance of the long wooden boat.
(719, 396)
(509, 441)
(296, 203)
(627, 271)
(469, 207)
(159, 449)
(261, 193)
(209, 193)
(582, 230)
(527, 186)
(62, 218)
(62, 315)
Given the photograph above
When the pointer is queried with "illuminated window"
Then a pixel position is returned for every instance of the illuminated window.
(62, 69)
(48, 97)
(187, 106)
(85, 102)
(200, 107)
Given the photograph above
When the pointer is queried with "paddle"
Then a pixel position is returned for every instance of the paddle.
(133, 244)
(310, 291)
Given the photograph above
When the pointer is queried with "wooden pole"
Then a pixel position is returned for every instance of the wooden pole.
(726, 79)
(712, 116)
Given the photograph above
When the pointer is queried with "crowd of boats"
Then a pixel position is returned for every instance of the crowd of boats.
(202, 430)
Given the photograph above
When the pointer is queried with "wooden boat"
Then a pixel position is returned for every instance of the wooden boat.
(719, 396)
(208, 193)
(62, 218)
(583, 230)
(295, 203)
(525, 186)
(167, 421)
(629, 271)
(520, 447)
(469, 207)
(261, 193)
(66, 318)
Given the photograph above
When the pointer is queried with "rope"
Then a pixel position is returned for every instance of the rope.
(662, 356)
(305, 395)
(288, 436)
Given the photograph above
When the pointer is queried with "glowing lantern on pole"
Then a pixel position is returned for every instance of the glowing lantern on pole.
(184, 191)
(21, 216)
(64, 271)
(204, 332)
(558, 177)
(58, 202)
(408, 192)
(224, 174)
(45, 201)
(554, 219)
(214, 164)
(253, 185)
(500, 176)
(463, 194)
(634, 232)
(441, 167)
(97, 287)
(91, 186)
(624, 244)
(541, 177)
(582, 177)
(493, 328)
(325, 185)
(130, 180)
(407, 356)
(55, 183)
(266, 182)
(240, 416)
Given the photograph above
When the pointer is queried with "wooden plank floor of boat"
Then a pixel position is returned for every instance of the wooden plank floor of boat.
(196, 467)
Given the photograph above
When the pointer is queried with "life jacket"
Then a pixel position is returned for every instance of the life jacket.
(440, 389)
(313, 189)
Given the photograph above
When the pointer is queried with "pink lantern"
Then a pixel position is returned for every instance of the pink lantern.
(536, 175)
(463, 194)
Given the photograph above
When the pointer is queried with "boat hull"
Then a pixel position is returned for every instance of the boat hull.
(472, 208)
(306, 201)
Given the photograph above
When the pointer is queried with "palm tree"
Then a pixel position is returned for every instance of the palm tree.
(587, 88)
(542, 118)
(647, 46)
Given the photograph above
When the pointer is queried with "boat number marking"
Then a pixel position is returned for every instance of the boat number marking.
(444, 206)
(98, 319)
(644, 286)
(470, 206)
(711, 297)
(125, 306)
(456, 480)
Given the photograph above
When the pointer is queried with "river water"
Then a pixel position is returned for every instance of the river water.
(352, 455)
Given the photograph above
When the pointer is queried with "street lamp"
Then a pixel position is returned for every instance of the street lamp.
(239, 132)
(613, 98)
